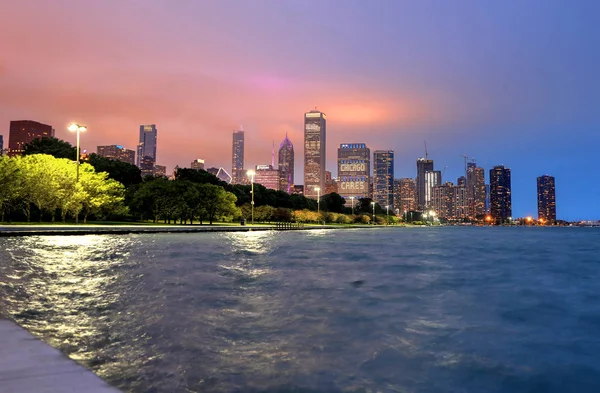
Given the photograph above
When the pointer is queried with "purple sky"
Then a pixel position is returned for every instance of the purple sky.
(511, 83)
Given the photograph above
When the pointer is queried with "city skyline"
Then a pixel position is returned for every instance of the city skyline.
(486, 82)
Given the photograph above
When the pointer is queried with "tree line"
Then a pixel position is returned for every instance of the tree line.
(41, 184)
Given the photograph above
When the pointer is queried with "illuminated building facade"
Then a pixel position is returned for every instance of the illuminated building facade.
(423, 165)
(546, 195)
(22, 132)
(221, 173)
(405, 195)
(267, 176)
(315, 131)
(238, 174)
(146, 165)
(331, 184)
(146, 150)
(500, 194)
(117, 152)
(432, 179)
(197, 164)
(160, 170)
(383, 177)
(286, 165)
(450, 201)
(354, 171)
(476, 194)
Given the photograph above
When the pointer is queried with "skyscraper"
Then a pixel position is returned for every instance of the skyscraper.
(238, 175)
(405, 195)
(286, 165)
(432, 179)
(476, 194)
(315, 125)
(500, 194)
(450, 201)
(1, 145)
(197, 164)
(423, 165)
(354, 171)
(267, 176)
(146, 150)
(546, 191)
(21, 132)
(383, 177)
(117, 152)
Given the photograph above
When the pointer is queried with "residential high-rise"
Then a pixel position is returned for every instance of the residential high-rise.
(383, 177)
(546, 191)
(432, 179)
(461, 181)
(354, 171)
(267, 176)
(450, 201)
(146, 150)
(22, 132)
(315, 132)
(500, 194)
(286, 165)
(423, 165)
(405, 195)
(117, 152)
(238, 174)
(197, 164)
(476, 194)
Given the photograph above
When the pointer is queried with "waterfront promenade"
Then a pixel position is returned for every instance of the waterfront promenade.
(28, 365)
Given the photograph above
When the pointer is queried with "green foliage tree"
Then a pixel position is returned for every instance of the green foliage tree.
(123, 172)
(333, 202)
(11, 184)
(50, 145)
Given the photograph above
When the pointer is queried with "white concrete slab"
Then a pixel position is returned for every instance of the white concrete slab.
(27, 364)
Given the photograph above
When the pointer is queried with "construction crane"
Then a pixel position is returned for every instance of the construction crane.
(443, 171)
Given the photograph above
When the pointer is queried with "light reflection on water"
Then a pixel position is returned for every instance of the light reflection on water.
(315, 311)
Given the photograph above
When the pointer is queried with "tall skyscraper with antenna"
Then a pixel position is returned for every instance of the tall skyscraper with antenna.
(315, 125)
(286, 165)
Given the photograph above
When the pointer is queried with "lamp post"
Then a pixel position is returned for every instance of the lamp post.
(77, 128)
(352, 199)
(250, 174)
(318, 190)
(387, 214)
(373, 203)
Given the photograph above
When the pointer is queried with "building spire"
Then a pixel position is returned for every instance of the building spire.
(273, 155)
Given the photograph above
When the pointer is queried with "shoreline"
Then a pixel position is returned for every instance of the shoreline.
(91, 229)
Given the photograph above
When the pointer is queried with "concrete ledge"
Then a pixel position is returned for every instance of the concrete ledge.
(28, 365)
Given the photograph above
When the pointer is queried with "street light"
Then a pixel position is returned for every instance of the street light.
(352, 199)
(250, 174)
(77, 128)
(318, 190)
(387, 214)
(373, 203)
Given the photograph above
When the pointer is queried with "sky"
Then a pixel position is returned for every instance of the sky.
(508, 83)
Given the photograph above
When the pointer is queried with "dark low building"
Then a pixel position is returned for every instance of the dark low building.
(22, 132)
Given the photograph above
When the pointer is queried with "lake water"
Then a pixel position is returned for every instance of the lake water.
(451, 309)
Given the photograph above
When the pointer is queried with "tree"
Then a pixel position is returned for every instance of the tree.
(216, 202)
(10, 179)
(333, 202)
(123, 172)
(97, 193)
(52, 146)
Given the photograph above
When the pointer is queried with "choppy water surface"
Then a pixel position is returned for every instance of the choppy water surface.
(382, 310)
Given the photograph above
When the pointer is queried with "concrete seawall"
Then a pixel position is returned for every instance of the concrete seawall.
(28, 365)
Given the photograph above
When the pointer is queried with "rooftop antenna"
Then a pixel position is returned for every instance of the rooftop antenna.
(273, 155)
(425, 142)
